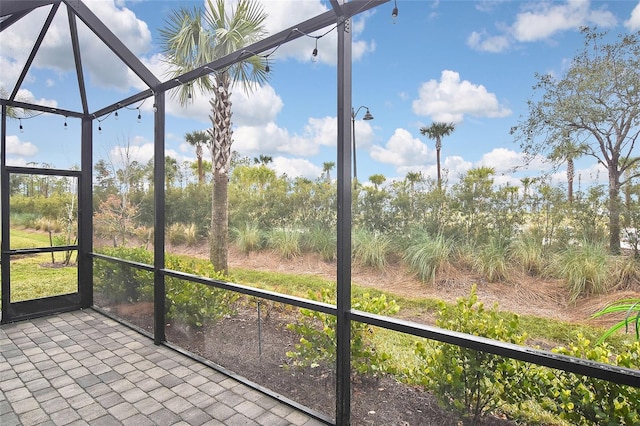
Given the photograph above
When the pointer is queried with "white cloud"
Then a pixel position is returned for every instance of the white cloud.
(102, 66)
(16, 147)
(402, 150)
(139, 150)
(294, 167)
(450, 99)
(543, 19)
(485, 43)
(633, 23)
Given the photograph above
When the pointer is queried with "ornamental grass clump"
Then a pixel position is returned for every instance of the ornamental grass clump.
(492, 260)
(585, 268)
(321, 240)
(528, 252)
(428, 256)
(371, 248)
(285, 241)
(248, 238)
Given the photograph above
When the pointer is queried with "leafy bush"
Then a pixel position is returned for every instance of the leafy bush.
(318, 340)
(248, 238)
(285, 241)
(120, 283)
(583, 400)
(190, 303)
(371, 248)
(471, 382)
(428, 256)
(584, 267)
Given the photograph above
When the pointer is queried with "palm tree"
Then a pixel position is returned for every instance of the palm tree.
(263, 159)
(326, 169)
(16, 112)
(436, 131)
(198, 139)
(568, 150)
(193, 38)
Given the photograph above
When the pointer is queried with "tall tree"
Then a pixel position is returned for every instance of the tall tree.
(192, 38)
(597, 100)
(437, 131)
(198, 139)
(567, 150)
(326, 169)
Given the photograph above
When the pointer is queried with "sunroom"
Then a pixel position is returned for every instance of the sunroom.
(168, 337)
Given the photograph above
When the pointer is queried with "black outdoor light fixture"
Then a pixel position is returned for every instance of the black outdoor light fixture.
(394, 13)
(367, 117)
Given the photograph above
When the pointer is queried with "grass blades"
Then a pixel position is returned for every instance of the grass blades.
(323, 241)
(285, 241)
(528, 252)
(491, 260)
(585, 268)
(428, 256)
(371, 248)
(248, 238)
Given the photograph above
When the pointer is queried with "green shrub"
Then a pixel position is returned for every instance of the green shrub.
(471, 382)
(323, 241)
(583, 400)
(428, 256)
(195, 304)
(492, 260)
(584, 267)
(371, 248)
(120, 283)
(190, 303)
(285, 241)
(318, 341)
(248, 238)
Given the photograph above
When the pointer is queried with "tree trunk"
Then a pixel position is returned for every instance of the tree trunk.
(219, 223)
(614, 210)
(570, 175)
(200, 171)
(221, 154)
(438, 163)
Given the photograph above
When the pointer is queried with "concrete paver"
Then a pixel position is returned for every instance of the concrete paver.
(81, 368)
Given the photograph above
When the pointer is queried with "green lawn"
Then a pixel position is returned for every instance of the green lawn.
(35, 276)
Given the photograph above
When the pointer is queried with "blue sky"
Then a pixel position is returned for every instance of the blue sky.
(468, 62)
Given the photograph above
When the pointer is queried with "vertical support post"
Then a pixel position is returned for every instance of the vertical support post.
(159, 335)
(4, 219)
(343, 302)
(85, 215)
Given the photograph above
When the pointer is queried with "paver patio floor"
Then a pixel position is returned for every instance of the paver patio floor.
(83, 368)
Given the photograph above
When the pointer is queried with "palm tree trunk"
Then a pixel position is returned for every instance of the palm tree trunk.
(221, 154)
(438, 163)
(218, 243)
(200, 171)
(570, 176)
